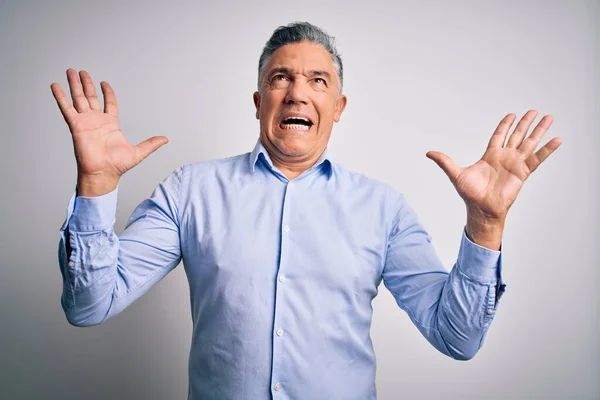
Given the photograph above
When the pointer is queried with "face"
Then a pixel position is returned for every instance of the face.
(297, 103)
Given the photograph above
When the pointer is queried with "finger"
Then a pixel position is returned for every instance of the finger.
(66, 108)
(89, 90)
(446, 163)
(531, 142)
(499, 135)
(79, 101)
(149, 146)
(110, 99)
(534, 160)
(520, 131)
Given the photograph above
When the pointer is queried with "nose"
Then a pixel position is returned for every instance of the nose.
(297, 93)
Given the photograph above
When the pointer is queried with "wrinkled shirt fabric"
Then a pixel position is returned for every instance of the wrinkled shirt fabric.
(281, 274)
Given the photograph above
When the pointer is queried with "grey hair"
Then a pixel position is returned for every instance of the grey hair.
(300, 32)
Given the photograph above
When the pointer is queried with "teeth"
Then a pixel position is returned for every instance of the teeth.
(295, 126)
(300, 118)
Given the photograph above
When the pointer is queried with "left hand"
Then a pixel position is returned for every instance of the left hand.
(490, 186)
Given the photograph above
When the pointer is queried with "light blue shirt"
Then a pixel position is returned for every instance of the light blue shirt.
(282, 274)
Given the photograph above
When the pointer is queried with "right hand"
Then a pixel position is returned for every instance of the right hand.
(101, 150)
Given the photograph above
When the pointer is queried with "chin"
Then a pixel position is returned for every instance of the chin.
(292, 149)
(291, 143)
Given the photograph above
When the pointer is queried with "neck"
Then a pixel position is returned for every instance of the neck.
(291, 172)
(292, 167)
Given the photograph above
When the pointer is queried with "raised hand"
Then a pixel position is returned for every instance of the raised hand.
(102, 152)
(490, 186)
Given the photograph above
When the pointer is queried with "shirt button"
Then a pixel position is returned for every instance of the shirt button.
(279, 332)
(490, 311)
(286, 228)
(281, 278)
(277, 387)
(71, 264)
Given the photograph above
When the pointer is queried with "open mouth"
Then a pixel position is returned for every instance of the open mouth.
(296, 123)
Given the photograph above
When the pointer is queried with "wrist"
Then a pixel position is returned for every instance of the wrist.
(94, 186)
(484, 231)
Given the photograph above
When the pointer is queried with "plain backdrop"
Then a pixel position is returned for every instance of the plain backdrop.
(418, 76)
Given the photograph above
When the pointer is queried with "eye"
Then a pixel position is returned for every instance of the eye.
(320, 81)
(279, 77)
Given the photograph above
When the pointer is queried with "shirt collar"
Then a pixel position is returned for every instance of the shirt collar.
(260, 149)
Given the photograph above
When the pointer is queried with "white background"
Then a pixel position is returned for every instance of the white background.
(419, 77)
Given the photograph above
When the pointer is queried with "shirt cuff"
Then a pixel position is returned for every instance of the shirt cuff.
(479, 263)
(91, 214)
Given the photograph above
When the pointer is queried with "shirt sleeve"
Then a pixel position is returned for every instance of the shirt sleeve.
(104, 273)
(452, 310)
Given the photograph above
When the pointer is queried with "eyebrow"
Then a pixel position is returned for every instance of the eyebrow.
(320, 73)
(285, 70)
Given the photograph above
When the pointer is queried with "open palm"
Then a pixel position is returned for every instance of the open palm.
(491, 185)
(101, 149)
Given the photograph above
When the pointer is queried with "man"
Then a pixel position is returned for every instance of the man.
(284, 249)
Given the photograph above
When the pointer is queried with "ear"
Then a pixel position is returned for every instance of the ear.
(340, 105)
(256, 97)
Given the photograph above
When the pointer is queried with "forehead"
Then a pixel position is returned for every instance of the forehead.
(302, 56)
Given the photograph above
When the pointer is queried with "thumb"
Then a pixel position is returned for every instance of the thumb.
(446, 163)
(149, 146)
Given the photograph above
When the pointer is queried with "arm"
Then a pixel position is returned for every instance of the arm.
(452, 310)
(104, 273)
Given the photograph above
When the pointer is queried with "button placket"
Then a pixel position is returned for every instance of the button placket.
(278, 364)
